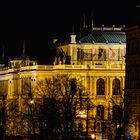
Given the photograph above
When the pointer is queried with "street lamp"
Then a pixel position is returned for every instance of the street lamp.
(93, 136)
(87, 115)
(84, 114)
(31, 102)
(31, 118)
(118, 125)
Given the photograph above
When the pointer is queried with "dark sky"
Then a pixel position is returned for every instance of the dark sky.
(38, 23)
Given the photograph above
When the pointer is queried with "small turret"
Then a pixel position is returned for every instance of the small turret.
(73, 39)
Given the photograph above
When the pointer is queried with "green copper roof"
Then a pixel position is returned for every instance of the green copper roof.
(104, 37)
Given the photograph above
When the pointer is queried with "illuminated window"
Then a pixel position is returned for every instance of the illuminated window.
(116, 87)
(100, 112)
(100, 87)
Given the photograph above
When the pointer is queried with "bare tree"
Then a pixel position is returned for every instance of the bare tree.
(61, 95)
(49, 108)
(21, 118)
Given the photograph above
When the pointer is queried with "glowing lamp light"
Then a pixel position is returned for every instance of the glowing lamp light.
(82, 114)
(32, 102)
(118, 125)
(93, 136)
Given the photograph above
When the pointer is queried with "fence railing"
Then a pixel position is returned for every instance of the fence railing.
(94, 66)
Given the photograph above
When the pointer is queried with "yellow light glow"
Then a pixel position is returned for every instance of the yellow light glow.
(93, 136)
(118, 125)
(82, 114)
(32, 102)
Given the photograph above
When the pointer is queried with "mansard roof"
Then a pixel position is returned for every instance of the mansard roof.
(104, 36)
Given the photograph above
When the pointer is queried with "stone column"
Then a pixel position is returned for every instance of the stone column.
(110, 89)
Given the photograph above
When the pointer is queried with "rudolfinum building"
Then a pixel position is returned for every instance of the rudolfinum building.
(97, 59)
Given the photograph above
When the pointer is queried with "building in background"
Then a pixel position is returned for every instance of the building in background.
(97, 59)
(132, 84)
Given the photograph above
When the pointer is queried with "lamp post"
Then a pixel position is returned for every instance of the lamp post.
(31, 103)
(87, 115)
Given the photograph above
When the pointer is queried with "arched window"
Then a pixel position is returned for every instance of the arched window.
(117, 113)
(100, 87)
(100, 112)
(116, 87)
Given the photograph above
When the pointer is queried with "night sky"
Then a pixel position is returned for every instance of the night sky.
(38, 23)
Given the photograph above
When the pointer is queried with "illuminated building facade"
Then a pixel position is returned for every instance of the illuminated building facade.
(97, 59)
(132, 84)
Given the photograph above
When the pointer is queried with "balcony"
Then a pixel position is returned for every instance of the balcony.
(102, 65)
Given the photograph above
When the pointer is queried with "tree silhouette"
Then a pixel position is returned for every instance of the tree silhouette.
(47, 110)
(60, 104)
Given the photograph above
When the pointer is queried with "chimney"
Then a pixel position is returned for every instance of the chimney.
(73, 39)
